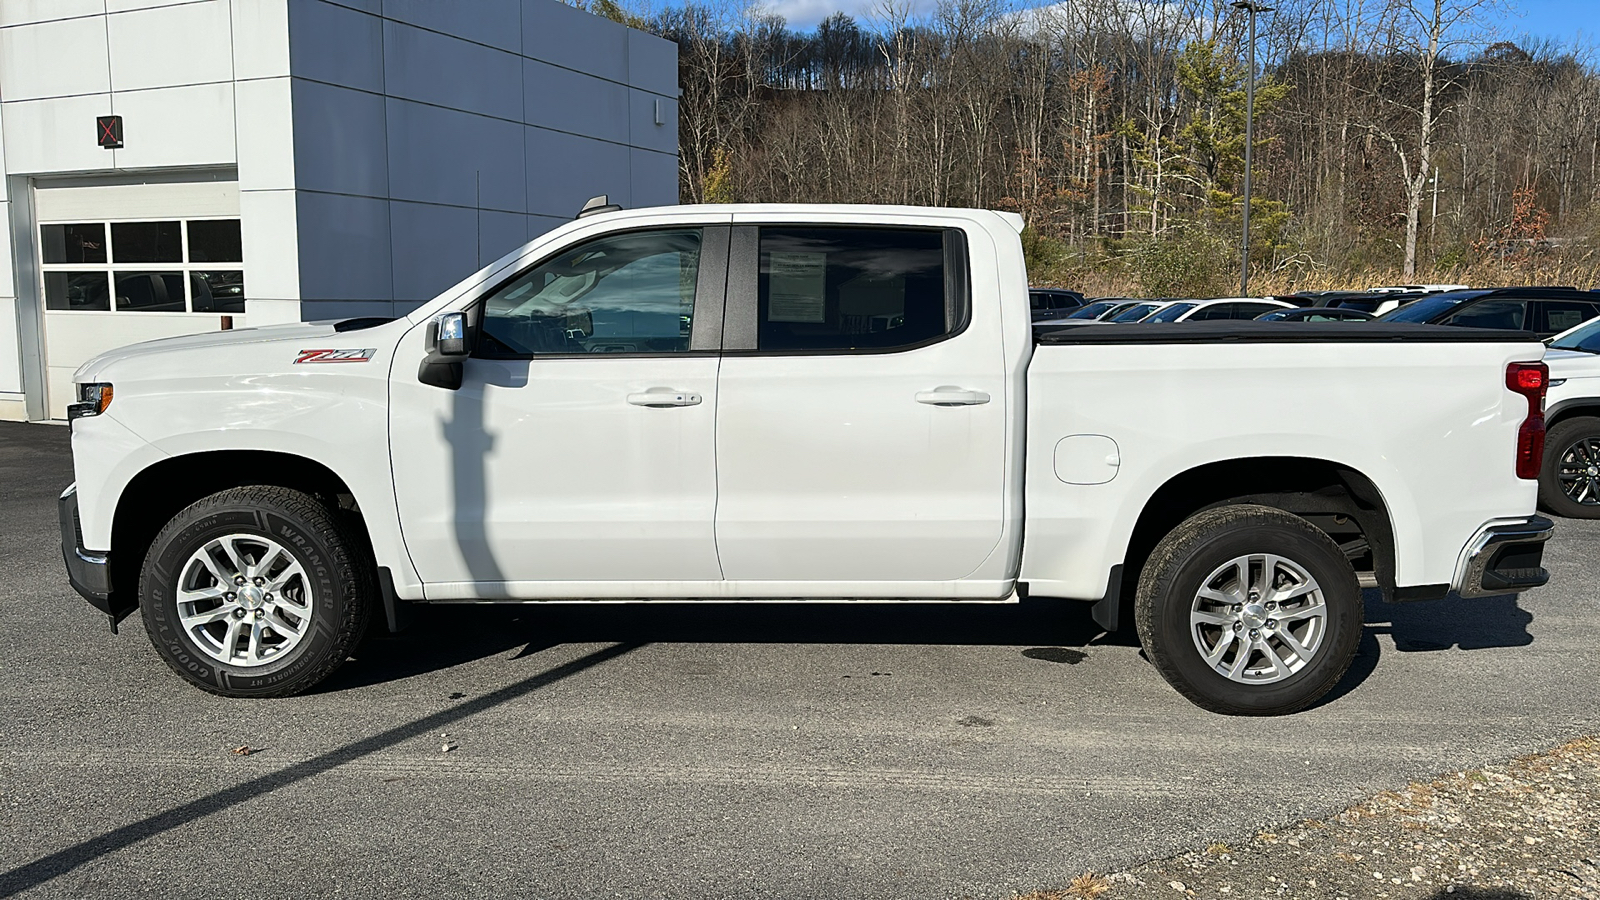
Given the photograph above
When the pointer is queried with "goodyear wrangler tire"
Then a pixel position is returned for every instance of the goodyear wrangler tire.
(255, 592)
(1249, 610)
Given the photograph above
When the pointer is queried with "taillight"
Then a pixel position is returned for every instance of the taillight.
(1530, 380)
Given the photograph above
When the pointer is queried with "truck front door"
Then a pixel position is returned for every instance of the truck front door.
(579, 449)
(861, 423)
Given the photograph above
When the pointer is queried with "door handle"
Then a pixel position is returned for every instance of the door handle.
(663, 397)
(950, 395)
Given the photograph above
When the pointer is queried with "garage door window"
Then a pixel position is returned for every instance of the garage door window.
(171, 266)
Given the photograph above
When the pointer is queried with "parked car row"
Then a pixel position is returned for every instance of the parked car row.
(1126, 310)
(1545, 311)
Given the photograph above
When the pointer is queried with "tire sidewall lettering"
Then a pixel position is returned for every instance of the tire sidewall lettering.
(323, 566)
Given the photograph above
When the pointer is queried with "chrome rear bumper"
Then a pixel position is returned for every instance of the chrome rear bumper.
(1505, 558)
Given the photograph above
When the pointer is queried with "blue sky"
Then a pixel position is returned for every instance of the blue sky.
(1563, 20)
(1560, 19)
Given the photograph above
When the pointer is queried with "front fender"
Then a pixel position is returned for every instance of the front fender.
(337, 419)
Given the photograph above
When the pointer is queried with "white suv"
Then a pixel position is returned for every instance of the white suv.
(1569, 485)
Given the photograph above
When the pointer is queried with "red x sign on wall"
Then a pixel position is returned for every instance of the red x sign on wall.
(110, 130)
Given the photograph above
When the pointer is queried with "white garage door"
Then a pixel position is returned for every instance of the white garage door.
(127, 263)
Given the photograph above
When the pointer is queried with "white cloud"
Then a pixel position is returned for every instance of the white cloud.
(1144, 16)
(804, 15)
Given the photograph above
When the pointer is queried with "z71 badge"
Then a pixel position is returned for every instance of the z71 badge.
(335, 356)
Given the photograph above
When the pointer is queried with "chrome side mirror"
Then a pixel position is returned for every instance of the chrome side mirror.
(447, 336)
(448, 345)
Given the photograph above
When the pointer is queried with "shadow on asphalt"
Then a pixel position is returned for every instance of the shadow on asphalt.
(1452, 622)
(1433, 625)
(1472, 893)
(442, 635)
(65, 860)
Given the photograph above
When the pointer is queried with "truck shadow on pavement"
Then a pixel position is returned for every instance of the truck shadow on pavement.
(443, 635)
(1431, 626)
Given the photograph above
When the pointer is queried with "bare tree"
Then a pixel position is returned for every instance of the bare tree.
(1424, 33)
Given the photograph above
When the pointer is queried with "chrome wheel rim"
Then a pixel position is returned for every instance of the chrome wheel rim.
(1579, 472)
(244, 600)
(1258, 619)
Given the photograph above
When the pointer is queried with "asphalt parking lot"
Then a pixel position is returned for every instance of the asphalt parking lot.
(678, 750)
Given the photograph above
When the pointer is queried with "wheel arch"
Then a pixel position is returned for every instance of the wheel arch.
(1336, 498)
(158, 492)
(1572, 409)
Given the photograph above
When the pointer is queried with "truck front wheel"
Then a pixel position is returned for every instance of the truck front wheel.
(255, 592)
(1249, 610)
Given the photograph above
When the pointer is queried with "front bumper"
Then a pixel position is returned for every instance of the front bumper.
(1505, 558)
(89, 573)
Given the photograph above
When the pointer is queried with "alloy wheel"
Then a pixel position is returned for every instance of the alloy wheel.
(244, 600)
(1578, 469)
(1258, 619)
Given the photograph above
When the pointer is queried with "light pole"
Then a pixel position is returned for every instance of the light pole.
(1249, 138)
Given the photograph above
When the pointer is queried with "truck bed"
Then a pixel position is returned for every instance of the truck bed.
(1117, 411)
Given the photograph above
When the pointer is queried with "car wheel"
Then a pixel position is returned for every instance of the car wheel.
(255, 592)
(1569, 482)
(1249, 610)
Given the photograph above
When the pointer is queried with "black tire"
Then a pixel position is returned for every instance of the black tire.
(335, 571)
(1172, 579)
(1567, 437)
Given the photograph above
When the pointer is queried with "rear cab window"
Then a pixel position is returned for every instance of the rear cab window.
(1562, 315)
(1508, 314)
(845, 289)
(1251, 310)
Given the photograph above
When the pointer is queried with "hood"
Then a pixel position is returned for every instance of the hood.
(269, 334)
(1563, 362)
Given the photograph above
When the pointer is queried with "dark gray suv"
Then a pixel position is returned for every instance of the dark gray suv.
(1545, 311)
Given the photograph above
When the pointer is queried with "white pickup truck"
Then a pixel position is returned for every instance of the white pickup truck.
(800, 403)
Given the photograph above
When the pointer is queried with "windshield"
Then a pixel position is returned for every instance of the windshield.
(1586, 338)
(1169, 313)
(1093, 309)
(1428, 309)
(1134, 313)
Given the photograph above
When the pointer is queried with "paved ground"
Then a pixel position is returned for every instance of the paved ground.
(708, 751)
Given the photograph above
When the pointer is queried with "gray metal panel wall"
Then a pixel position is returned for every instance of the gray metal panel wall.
(432, 138)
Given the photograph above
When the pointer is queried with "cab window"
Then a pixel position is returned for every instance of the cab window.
(623, 293)
(849, 289)
(1507, 314)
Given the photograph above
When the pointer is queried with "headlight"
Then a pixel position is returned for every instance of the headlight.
(92, 401)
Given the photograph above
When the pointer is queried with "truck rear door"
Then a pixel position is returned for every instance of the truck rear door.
(861, 419)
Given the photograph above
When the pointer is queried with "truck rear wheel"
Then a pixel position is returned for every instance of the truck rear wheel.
(255, 592)
(1569, 483)
(1249, 610)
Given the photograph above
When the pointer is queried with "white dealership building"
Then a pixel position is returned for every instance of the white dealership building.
(178, 166)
